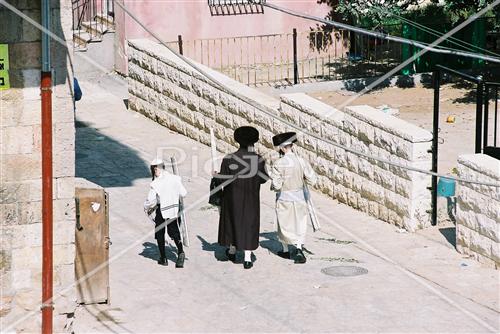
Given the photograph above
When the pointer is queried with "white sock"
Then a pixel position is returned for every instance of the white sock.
(248, 256)
(299, 246)
(232, 249)
(285, 247)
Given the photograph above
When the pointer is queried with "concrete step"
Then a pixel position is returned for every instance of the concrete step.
(107, 21)
(80, 40)
(95, 29)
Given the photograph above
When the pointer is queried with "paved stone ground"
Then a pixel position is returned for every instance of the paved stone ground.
(415, 282)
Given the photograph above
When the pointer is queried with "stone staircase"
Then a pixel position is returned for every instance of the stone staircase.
(92, 31)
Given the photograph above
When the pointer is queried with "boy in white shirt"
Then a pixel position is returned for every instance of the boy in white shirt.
(163, 199)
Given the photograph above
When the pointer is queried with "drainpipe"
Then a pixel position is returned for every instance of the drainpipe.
(47, 214)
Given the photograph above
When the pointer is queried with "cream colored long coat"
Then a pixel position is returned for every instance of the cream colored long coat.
(288, 175)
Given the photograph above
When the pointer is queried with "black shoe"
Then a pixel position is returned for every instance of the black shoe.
(180, 260)
(163, 261)
(299, 257)
(230, 257)
(285, 255)
(247, 264)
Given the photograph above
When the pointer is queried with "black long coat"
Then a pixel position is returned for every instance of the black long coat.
(239, 222)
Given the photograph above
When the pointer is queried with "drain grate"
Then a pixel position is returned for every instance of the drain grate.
(344, 271)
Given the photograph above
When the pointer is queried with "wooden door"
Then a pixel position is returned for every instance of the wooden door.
(92, 246)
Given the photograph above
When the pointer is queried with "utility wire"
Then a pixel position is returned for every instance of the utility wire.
(386, 36)
(292, 125)
(451, 39)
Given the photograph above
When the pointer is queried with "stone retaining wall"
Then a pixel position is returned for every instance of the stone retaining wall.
(21, 170)
(478, 209)
(164, 88)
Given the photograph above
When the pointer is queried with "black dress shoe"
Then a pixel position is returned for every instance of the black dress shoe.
(231, 257)
(163, 261)
(247, 264)
(285, 255)
(180, 260)
(299, 257)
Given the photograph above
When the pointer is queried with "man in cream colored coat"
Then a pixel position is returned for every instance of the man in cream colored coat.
(163, 203)
(288, 174)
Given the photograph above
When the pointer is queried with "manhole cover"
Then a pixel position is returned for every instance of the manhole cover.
(344, 271)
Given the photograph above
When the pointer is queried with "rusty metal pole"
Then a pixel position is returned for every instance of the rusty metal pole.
(47, 214)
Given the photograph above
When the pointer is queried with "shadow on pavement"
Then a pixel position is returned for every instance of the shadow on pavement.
(449, 234)
(105, 161)
(150, 251)
(219, 251)
(271, 244)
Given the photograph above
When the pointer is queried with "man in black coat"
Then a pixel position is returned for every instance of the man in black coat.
(241, 175)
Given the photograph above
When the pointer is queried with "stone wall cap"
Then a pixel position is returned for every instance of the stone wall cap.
(86, 184)
(312, 106)
(481, 163)
(389, 123)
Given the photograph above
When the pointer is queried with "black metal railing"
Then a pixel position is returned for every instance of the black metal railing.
(91, 18)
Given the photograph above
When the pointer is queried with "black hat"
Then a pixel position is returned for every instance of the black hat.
(246, 135)
(285, 138)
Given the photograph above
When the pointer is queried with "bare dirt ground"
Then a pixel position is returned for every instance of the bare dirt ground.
(416, 106)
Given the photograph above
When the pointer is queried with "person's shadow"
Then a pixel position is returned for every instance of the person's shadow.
(218, 250)
(151, 251)
(271, 243)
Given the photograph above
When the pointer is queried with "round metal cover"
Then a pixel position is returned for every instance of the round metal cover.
(344, 271)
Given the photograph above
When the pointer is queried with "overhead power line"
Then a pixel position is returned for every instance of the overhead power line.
(436, 33)
(386, 36)
(292, 125)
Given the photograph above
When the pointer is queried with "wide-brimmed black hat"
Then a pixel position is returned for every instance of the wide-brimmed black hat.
(246, 135)
(285, 138)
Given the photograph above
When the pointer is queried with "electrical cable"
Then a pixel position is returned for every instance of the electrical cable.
(294, 126)
(386, 36)
(436, 33)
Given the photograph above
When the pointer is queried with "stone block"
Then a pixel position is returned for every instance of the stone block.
(64, 209)
(366, 133)
(222, 116)
(352, 198)
(17, 140)
(64, 137)
(384, 178)
(64, 163)
(263, 119)
(480, 244)
(488, 227)
(246, 111)
(210, 94)
(30, 212)
(11, 167)
(289, 113)
(206, 108)
(340, 193)
(9, 214)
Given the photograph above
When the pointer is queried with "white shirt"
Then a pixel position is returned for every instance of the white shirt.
(166, 190)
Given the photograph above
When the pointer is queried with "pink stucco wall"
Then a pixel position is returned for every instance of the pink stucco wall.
(192, 20)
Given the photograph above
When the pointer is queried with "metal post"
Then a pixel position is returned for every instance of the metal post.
(496, 117)
(479, 115)
(295, 65)
(486, 115)
(179, 39)
(47, 213)
(435, 135)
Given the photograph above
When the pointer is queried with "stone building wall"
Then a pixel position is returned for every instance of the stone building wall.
(20, 156)
(164, 88)
(478, 209)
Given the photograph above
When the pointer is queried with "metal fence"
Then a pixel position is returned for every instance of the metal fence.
(282, 59)
(91, 18)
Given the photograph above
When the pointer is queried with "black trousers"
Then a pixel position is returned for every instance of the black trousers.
(173, 232)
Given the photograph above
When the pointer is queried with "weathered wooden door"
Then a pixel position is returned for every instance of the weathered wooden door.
(92, 245)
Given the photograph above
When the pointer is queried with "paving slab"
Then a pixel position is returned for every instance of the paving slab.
(414, 282)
